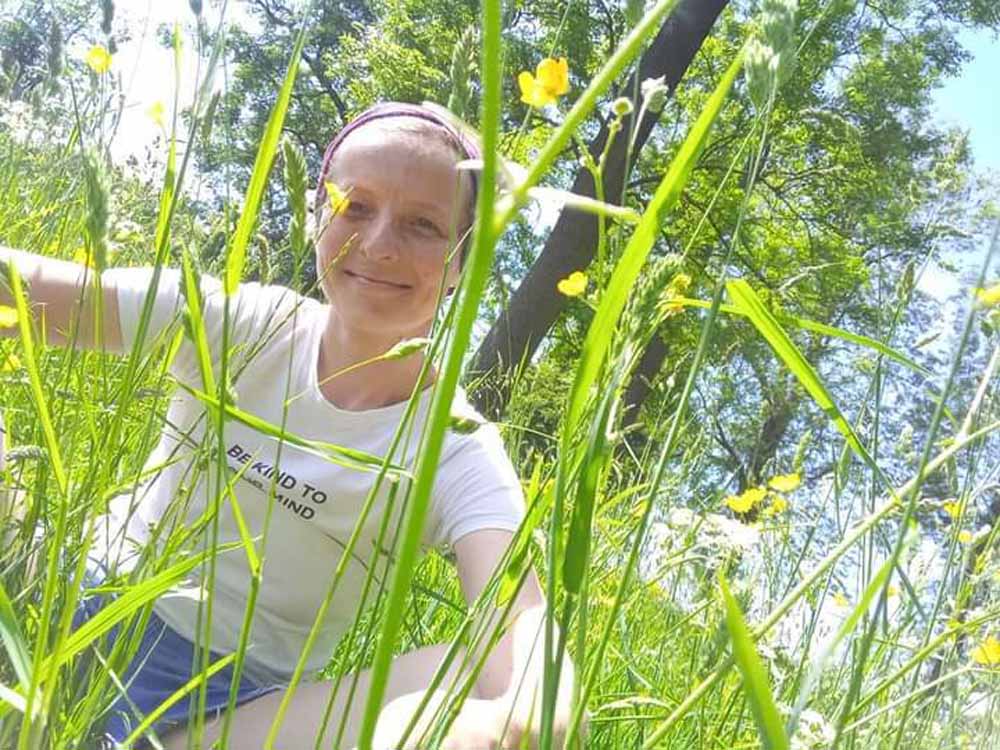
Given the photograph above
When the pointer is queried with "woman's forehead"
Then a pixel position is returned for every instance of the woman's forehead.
(376, 157)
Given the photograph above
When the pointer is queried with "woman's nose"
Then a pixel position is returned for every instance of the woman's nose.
(379, 239)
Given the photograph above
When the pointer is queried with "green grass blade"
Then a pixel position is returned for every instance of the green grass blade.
(13, 699)
(253, 561)
(598, 451)
(477, 270)
(187, 687)
(613, 301)
(746, 300)
(338, 454)
(819, 662)
(134, 598)
(599, 336)
(755, 683)
(13, 640)
(195, 323)
(826, 330)
(35, 377)
(236, 259)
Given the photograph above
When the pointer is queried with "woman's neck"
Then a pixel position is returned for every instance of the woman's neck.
(370, 386)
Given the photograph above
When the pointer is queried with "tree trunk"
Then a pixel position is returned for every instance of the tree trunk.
(641, 384)
(536, 304)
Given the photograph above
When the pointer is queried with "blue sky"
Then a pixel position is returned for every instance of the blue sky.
(972, 100)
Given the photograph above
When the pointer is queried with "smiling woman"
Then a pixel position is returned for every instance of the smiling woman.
(387, 250)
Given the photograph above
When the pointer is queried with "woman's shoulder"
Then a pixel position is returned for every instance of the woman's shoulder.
(471, 436)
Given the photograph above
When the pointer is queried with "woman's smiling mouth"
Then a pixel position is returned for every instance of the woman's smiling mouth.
(374, 282)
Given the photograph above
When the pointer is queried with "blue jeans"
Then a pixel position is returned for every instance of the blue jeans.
(163, 664)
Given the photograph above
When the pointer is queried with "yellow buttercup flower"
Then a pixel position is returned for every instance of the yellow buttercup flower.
(155, 113)
(99, 59)
(965, 536)
(337, 197)
(952, 507)
(550, 81)
(785, 482)
(573, 285)
(989, 297)
(840, 600)
(743, 503)
(8, 317)
(987, 653)
(777, 506)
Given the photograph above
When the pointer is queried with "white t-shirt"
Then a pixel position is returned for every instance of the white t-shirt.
(274, 340)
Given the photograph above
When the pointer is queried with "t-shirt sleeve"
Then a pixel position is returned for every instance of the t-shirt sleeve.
(476, 488)
(133, 286)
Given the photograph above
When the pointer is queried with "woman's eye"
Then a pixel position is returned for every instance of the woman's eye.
(354, 208)
(426, 225)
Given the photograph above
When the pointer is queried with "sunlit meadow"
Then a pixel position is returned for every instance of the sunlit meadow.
(808, 611)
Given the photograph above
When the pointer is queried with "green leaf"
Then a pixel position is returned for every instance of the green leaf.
(819, 661)
(13, 640)
(135, 597)
(541, 501)
(35, 377)
(338, 454)
(195, 323)
(598, 451)
(812, 325)
(261, 170)
(613, 300)
(750, 305)
(187, 687)
(755, 683)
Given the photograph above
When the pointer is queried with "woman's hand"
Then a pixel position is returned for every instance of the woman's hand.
(496, 724)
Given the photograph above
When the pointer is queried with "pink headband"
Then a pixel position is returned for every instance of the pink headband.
(395, 109)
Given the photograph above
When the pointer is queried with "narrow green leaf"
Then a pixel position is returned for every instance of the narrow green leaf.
(13, 699)
(755, 683)
(248, 544)
(337, 454)
(35, 378)
(848, 626)
(261, 170)
(541, 501)
(812, 325)
(187, 687)
(195, 323)
(749, 303)
(598, 450)
(637, 250)
(135, 597)
(13, 640)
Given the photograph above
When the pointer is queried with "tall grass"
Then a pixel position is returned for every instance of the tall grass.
(685, 634)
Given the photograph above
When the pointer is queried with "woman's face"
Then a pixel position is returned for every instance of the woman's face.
(381, 259)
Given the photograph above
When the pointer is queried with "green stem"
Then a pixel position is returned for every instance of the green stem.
(470, 292)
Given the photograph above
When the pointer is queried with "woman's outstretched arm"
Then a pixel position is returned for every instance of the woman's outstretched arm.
(61, 295)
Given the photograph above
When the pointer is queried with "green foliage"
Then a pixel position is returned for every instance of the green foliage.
(826, 195)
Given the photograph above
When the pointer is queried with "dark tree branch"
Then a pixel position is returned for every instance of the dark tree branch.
(536, 305)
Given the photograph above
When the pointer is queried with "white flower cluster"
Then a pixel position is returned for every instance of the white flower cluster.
(654, 93)
(713, 532)
(770, 60)
(813, 732)
(17, 119)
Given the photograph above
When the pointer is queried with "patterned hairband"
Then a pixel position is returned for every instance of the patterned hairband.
(394, 109)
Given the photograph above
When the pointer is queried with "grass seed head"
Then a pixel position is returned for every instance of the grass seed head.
(96, 227)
